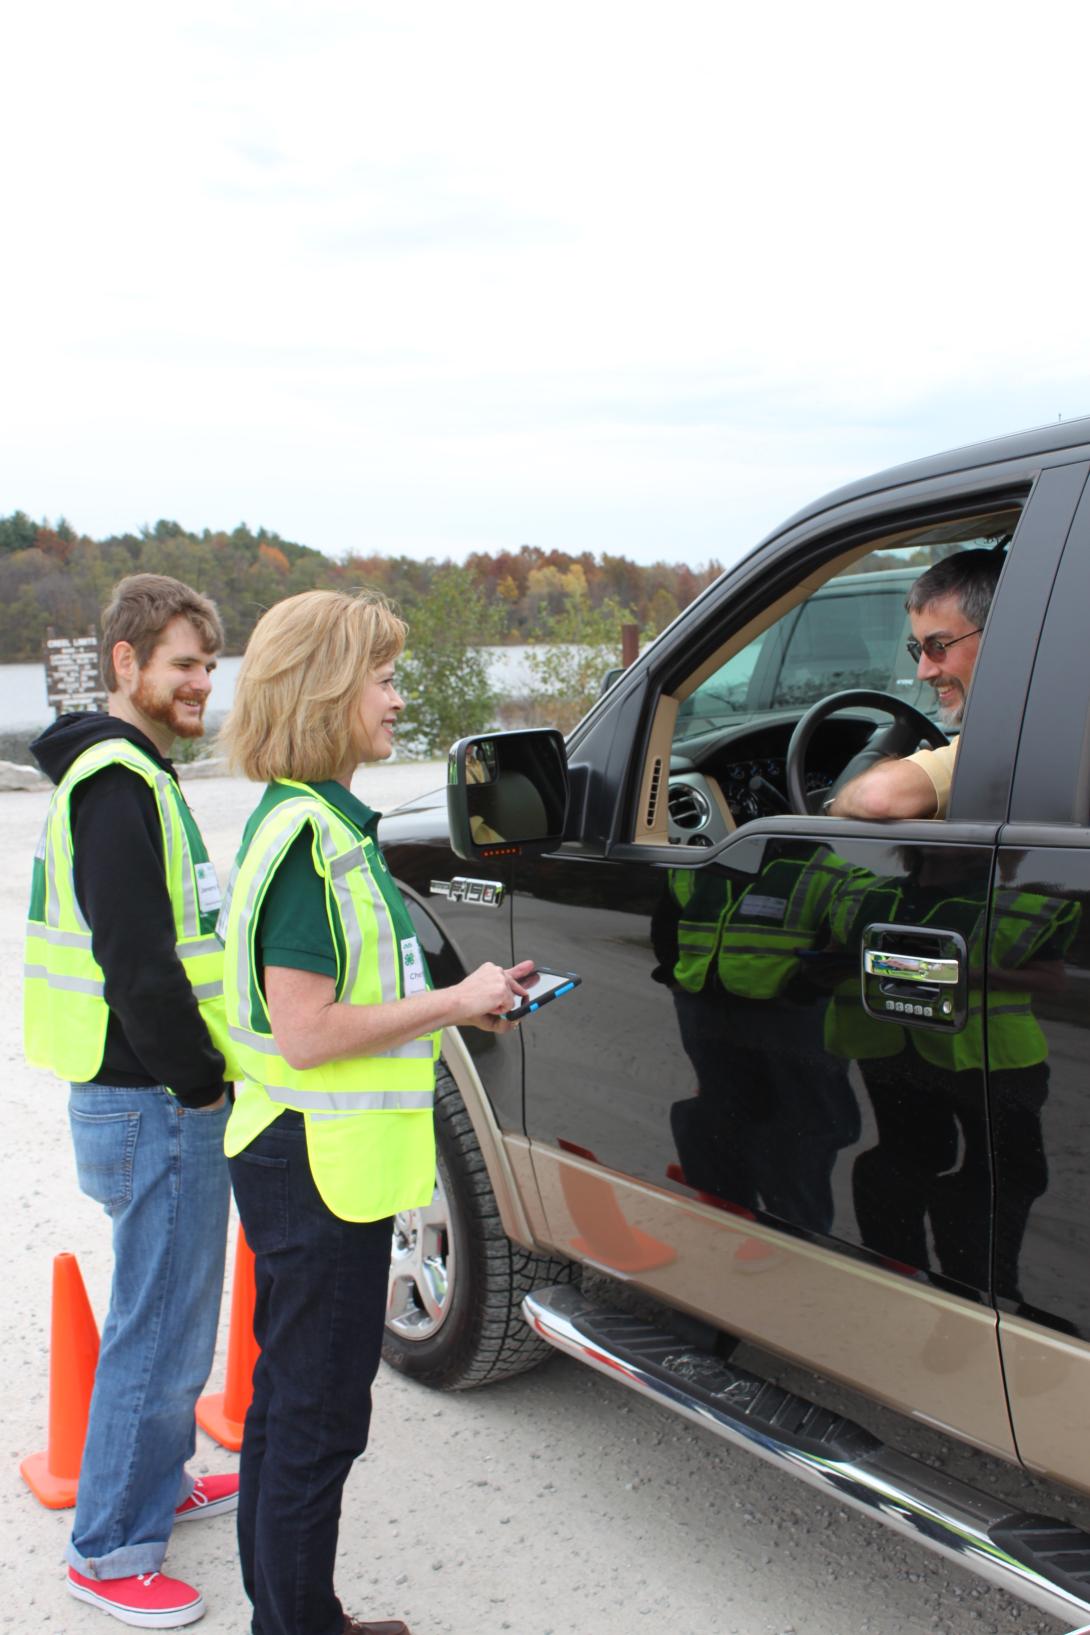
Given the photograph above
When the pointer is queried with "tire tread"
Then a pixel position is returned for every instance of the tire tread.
(491, 1341)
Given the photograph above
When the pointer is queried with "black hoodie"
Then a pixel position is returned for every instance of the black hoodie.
(156, 1034)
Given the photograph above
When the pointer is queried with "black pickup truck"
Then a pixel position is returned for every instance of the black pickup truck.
(823, 1097)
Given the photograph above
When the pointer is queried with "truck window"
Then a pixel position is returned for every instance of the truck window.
(734, 718)
(850, 633)
(846, 636)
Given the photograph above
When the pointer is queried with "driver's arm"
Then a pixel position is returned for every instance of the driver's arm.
(916, 787)
(892, 789)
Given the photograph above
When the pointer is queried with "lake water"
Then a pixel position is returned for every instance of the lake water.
(24, 710)
(23, 706)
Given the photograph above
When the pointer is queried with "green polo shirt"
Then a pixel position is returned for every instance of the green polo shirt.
(296, 927)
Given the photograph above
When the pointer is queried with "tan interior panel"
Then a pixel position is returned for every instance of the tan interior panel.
(773, 612)
(651, 827)
(716, 792)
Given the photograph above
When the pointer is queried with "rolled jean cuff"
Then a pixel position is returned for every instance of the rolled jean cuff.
(124, 1563)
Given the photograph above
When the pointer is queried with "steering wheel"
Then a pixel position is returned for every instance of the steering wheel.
(901, 737)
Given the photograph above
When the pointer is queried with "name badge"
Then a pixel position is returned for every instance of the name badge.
(209, 895)
(412, 967)
(763, 908)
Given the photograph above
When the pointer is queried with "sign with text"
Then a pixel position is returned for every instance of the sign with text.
(73, 680)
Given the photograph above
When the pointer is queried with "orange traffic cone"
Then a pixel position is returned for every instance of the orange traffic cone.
(222, 1414)
(53, 1476)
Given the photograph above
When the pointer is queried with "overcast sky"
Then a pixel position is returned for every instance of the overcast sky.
(433, 278)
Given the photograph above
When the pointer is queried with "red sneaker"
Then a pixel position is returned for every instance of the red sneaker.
(210, 1495)
(148, 1600)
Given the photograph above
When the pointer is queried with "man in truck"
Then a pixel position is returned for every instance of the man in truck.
(947, 609)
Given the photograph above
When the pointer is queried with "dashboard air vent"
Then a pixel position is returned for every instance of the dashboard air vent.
(690, 809)
(654, 788)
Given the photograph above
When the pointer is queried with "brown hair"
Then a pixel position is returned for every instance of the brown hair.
(139, 611)
(971, 576)
(306, 662)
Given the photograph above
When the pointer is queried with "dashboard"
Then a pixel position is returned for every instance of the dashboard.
(729, 777)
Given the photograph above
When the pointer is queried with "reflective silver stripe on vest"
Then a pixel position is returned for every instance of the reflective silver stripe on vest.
(70, 984)
(342, 891)
(415, 1049)
(386, 942)
(52, 896)
(272, 848)
(386, 950)
(200, 945)
(168, 795)
(265, 1045)
(796, 911)
(206, 990)
(346, 861)
(263, 1042)
(1039, 923)
(168, 799)
(225, 906)
(332, 1103)
(59, 939)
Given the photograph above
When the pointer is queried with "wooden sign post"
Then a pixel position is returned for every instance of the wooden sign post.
(630, 644)
(73, 680)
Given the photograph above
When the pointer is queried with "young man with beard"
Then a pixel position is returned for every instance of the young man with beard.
(947, 608)
(123, 998)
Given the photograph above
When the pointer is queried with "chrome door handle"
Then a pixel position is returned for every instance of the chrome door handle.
(911, 967)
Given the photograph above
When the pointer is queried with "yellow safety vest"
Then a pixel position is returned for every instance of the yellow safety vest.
(702, 900)
(1022, 922)
(775, 918)
(64, 1006)
(850, 1032)
(752, 936)
(369, 1125)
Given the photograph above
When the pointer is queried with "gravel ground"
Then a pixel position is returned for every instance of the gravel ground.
(545, 1505)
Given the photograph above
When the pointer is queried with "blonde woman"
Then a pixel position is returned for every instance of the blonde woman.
(336, 1025)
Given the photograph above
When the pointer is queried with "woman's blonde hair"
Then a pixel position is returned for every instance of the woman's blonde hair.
(300, 680)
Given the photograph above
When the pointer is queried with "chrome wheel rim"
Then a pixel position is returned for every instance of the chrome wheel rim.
(422, 1269)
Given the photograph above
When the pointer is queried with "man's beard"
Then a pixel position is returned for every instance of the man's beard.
(164, 707)
(950, 715)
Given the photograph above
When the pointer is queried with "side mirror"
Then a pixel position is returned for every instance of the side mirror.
(507, 793)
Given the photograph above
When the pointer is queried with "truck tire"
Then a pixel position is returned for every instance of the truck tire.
(454, 1317)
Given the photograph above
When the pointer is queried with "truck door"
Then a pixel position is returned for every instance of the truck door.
(719, 1115)
(1038, 969)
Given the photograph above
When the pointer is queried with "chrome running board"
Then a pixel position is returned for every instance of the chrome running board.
(1045, 1562)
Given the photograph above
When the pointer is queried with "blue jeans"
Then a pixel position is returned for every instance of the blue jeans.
(321, 1303)
(158, 1170)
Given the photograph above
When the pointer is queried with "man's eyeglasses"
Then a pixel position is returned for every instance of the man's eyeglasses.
(935, 649)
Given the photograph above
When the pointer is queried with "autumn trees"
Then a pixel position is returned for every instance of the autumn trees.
(53, 575)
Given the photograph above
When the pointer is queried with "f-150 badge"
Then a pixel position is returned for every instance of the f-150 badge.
(488, 893)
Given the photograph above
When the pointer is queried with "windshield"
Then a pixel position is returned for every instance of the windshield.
(850, 633)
